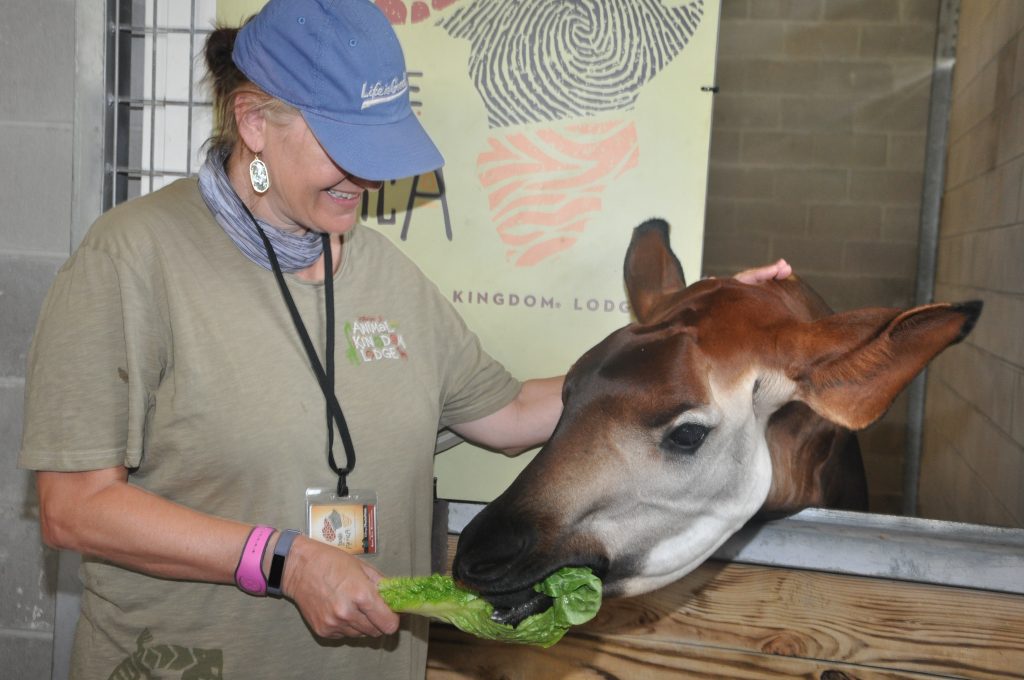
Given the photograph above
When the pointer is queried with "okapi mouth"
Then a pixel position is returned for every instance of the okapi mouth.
(499, 558)
(513, 605)
(513, 608)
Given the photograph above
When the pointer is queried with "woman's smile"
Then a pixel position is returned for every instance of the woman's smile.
(343, 195)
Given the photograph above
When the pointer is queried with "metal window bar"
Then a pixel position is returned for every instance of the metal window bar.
(150, 121)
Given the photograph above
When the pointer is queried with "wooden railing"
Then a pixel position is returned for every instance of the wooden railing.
(728, 620)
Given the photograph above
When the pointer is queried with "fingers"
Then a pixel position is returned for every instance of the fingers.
(353, 609)
(777, 270)
(381, 620)
(336, 592)
(785, 270)
(362, 614)
(371, 574)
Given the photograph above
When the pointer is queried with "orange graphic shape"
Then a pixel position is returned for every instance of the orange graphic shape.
(399, 13)
(544, 185)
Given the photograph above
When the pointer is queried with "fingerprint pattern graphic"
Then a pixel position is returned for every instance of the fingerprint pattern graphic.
(557, 79)
(535, 61)
(543, 185)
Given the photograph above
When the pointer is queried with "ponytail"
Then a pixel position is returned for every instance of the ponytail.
(226, 82)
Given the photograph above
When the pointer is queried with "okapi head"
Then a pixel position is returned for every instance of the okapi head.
(723, 400)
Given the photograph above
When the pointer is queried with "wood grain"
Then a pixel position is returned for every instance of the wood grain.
(457, 656)
(743, 621)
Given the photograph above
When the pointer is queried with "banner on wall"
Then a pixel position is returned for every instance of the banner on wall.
(563, 126)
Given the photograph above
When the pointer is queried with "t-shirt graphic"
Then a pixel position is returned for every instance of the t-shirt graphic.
(169, 661)
(374, 338)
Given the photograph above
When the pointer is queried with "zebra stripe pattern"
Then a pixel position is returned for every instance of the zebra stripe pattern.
(544, 185)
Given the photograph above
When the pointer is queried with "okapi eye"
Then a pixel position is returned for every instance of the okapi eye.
(687, 437)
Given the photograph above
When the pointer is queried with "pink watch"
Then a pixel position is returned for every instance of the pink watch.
(249, 572)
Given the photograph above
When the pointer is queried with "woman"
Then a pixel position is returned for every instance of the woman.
(178, 379)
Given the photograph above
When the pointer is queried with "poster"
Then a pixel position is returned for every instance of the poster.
(563, 124)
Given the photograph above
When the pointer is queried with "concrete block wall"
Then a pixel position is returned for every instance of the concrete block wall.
(37, 71)
(817, 155)
(973, 464)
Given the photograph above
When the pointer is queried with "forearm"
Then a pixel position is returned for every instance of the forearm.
(98, 513)
(539, 406)
(525, 422)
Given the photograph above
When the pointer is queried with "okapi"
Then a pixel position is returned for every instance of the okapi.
(723, 400)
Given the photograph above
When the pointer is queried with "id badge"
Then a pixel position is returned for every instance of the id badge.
(346, 522)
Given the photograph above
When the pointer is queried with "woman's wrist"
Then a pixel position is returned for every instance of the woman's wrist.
(298, 557)
(279, 560)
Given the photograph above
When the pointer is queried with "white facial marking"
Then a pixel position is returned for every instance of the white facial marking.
(715, 492)
(774, 390)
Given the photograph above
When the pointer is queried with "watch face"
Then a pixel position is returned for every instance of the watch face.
(274, 579)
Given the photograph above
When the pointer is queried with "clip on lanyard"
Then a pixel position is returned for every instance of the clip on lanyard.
(324, 377)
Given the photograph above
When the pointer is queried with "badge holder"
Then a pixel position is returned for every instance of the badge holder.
(346, 522)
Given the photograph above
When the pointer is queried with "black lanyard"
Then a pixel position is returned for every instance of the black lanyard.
(324, 377)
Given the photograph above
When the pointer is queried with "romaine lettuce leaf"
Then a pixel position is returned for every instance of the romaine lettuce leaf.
(575, 591)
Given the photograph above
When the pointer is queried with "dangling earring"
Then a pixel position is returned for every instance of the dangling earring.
(258, 175)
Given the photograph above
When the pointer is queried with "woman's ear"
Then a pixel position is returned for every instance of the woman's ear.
(250, 120)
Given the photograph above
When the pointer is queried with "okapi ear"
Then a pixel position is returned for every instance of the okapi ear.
(651, 269)
(850, 367)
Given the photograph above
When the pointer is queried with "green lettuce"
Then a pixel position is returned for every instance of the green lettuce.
(575, 591)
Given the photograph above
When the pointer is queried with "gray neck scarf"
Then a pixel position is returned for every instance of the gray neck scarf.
(294, 251)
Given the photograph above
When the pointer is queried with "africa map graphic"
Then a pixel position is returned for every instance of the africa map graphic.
(558, 80)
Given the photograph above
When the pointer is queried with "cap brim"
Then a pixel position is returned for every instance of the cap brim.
(379, 152)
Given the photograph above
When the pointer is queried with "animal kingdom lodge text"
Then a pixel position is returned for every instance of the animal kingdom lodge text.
(529, 300)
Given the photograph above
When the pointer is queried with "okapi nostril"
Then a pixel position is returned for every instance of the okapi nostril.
(492, 559)
(489, 570)
(488, 553)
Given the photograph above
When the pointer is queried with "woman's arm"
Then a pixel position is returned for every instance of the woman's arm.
(525, 422)
(99, 513)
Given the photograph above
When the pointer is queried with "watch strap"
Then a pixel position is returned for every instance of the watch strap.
(284, 544)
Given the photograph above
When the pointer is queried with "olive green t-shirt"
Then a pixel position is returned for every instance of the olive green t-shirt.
(160, 347)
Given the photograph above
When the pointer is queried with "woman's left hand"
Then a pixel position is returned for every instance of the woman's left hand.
(777, 270)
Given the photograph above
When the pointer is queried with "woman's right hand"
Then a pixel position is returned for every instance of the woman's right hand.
(336, 592)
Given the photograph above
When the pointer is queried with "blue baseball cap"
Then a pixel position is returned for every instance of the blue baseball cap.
(340, 64)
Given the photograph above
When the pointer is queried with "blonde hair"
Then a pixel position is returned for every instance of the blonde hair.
(228, 83)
